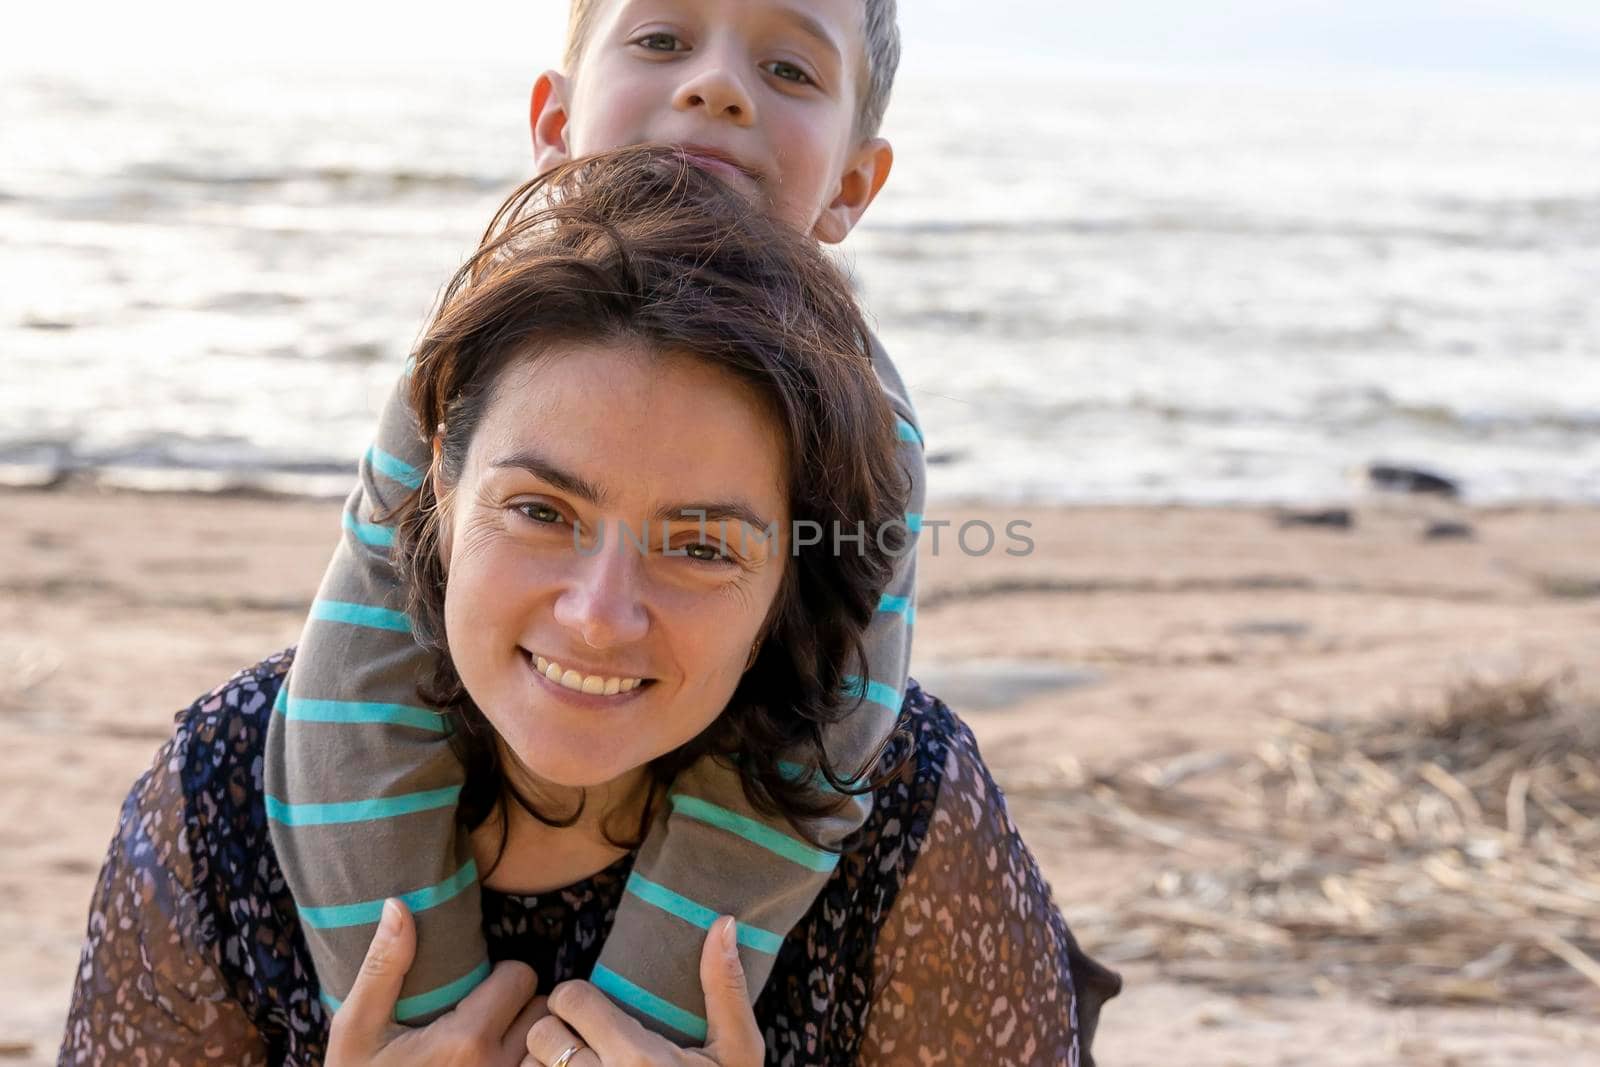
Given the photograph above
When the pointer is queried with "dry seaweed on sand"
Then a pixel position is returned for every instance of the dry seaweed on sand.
(1452, 857)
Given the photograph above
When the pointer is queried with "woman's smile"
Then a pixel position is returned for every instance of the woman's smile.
(586, 690)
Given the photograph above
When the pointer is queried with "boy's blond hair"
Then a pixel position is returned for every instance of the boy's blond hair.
(882, 40)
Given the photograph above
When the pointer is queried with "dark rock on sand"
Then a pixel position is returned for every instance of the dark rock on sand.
(1390, 478)
(1449, 531)
(1328, 518)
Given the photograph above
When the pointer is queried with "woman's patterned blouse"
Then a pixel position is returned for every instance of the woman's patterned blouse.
(935, 941)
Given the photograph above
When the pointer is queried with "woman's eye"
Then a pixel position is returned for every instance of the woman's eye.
(705, 553)
(789, 73)
(543, 514)
(660, 42)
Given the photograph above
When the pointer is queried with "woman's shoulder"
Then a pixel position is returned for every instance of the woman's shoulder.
(904, 800)
(971, 911)
(190, 929)
(229, 724)
(219, 753)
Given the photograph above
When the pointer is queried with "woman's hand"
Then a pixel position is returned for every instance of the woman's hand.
(487, 1029)
(606, 1037)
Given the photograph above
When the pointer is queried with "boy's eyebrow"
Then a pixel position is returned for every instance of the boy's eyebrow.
(812, 27)
(709, 512)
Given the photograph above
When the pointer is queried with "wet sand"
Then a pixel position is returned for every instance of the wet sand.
(1127, 633)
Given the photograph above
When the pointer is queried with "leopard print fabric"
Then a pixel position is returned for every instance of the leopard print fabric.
(935, 940)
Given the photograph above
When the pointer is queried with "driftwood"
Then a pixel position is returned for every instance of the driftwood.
(1446, 858)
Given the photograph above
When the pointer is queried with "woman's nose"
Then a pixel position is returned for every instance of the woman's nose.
(714, 85)
(604, 602)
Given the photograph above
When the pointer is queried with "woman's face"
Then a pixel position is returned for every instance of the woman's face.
(627, 445)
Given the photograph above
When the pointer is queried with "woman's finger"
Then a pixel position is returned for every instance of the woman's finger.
(365, 1016)
(732, 1037)
(493, 1007)
(516, 1040)
(615, 1036)
(550, 1037)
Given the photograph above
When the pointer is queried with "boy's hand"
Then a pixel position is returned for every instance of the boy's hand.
(605, 1036)
(487, 1029)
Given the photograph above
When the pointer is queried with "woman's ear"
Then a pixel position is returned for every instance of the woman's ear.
(441, 513)
(547, 120)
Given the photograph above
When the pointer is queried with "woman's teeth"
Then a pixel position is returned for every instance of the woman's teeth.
(593, 684)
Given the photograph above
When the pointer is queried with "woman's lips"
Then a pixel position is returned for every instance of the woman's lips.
(578, 698)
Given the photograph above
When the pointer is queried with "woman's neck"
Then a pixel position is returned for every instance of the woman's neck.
(538, 858)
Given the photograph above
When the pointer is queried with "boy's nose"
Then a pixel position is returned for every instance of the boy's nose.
(603, 603)
(722, 94)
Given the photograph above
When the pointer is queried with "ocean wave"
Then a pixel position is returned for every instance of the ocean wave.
(338, 178)
(1201, 225)
(166, 461)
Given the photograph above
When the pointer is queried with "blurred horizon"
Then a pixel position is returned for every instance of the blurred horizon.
(1540, 40)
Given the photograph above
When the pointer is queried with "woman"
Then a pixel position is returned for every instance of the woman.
(620, 359)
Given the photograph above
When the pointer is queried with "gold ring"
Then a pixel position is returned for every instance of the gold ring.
(566, 1057)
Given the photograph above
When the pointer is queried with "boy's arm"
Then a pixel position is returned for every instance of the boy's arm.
(361, 780)
(710, 854)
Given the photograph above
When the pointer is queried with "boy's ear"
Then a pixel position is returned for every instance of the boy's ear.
(547, 120)
(865, 172)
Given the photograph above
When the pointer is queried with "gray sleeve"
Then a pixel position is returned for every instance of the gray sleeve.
(361, 779)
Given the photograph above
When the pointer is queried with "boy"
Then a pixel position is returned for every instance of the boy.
(782, 99)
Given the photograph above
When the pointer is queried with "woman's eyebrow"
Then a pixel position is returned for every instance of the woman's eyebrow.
(714, 511)
(562, 479)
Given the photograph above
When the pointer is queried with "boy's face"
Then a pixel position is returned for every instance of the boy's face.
(763, 93)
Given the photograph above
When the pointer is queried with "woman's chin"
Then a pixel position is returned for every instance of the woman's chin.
(558, 758)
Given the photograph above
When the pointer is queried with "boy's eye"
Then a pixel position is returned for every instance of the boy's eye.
(789, 72)
(660, 42)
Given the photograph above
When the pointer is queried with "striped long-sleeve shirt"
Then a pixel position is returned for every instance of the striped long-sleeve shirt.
(362, 785)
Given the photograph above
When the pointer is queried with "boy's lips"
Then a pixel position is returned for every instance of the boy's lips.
(719, 163)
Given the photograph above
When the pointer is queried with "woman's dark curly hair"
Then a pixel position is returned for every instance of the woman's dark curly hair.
(638, 246)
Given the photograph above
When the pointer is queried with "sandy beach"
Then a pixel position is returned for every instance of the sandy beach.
(1127, 634)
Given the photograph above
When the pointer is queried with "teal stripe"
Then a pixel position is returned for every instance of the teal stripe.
(374, 618)
(370, 911)
(356, 713)
(360, 810)
(368, 533)
(697, 914)
(647, 1003)
(446, 996)
(754, 832)
(797, 773)
(393, 468)
(909, 432)
(913, 522)
(878, 693)
(900, 605)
